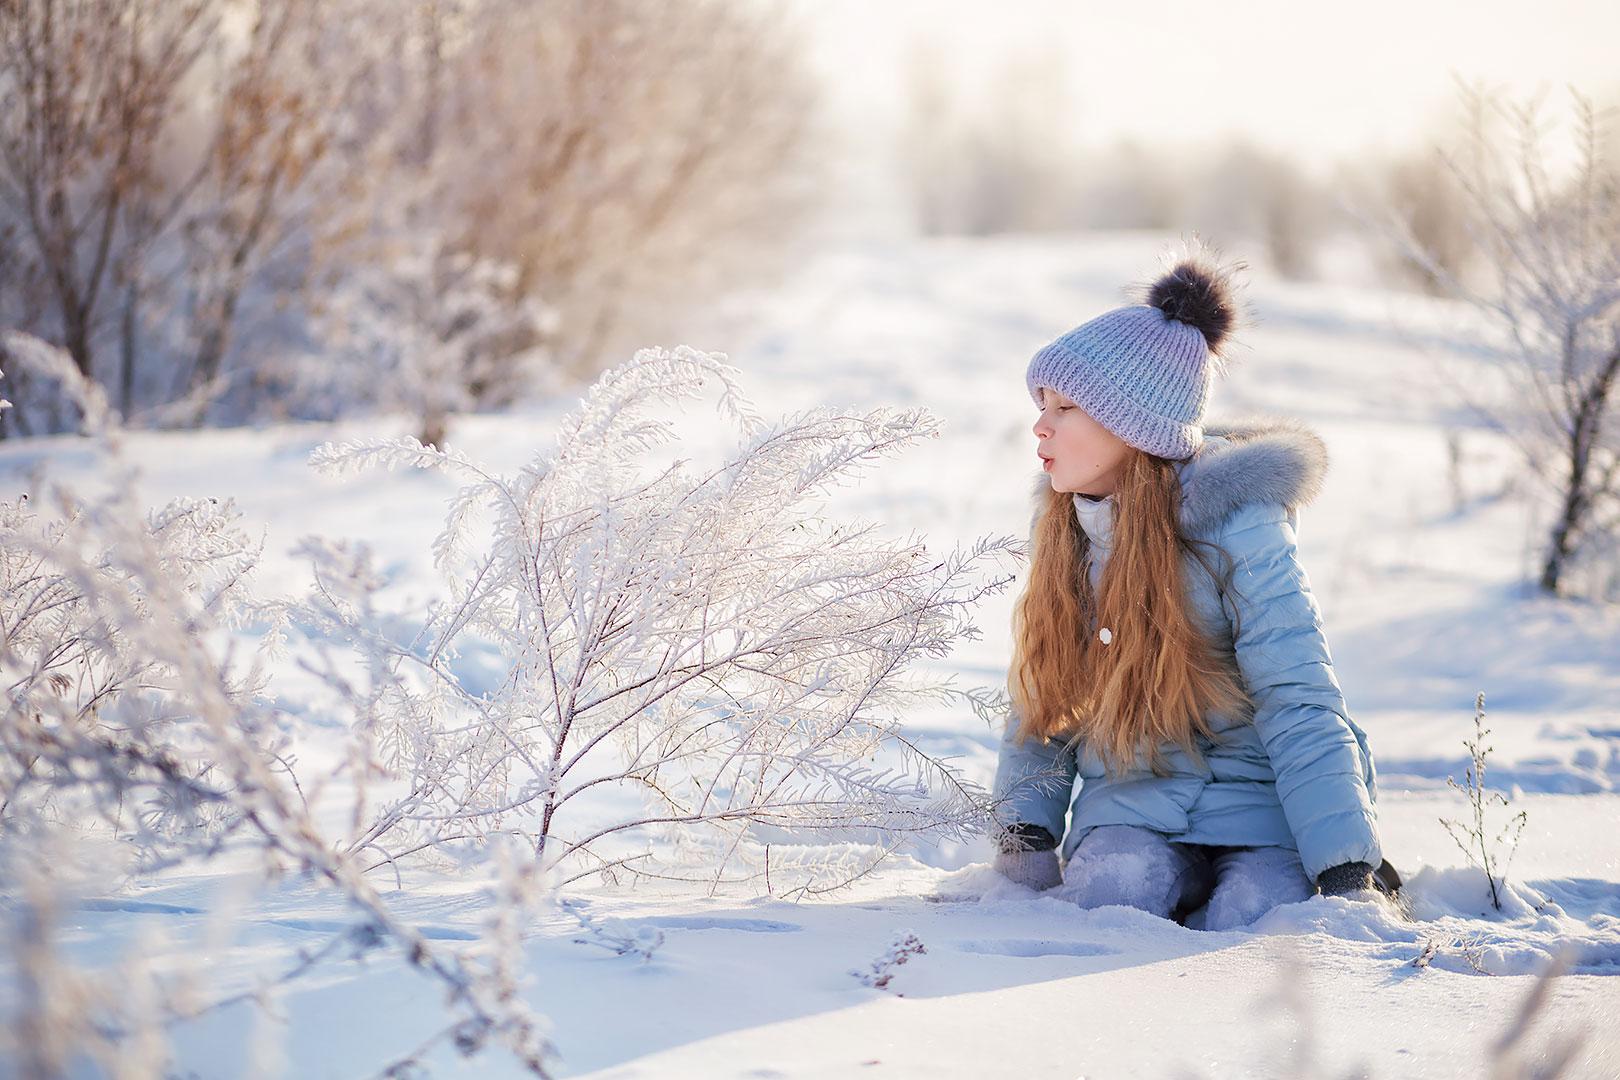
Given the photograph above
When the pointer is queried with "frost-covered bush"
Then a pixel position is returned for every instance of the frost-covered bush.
(701, 639)
(117, 713)
(100, 610)
(129, 723)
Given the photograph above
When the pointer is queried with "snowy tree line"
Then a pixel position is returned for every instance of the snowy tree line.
(1483, 216)
(233, 209)
(1012, 158)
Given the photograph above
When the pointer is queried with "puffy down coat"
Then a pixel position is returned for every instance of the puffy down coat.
(1299, 773)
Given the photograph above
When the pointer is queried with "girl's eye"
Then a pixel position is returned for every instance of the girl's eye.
(1064, 408)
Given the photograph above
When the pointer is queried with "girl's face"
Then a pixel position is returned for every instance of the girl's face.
(1078, 453)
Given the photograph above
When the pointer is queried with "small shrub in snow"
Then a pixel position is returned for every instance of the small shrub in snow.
(119, 715)
(704, 641)
(906, 944)
(1473, 837)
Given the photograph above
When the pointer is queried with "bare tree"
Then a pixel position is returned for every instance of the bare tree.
(274, 106)
(180, 183)
(626, 158)
(151, 158)
(85, 88)
(930, 143)
(1131, 185)
(1553, 249)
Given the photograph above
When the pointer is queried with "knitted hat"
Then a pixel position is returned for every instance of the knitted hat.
(1144, 371)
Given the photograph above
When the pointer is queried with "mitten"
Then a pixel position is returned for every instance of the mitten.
(1348, 878)
(1027, 854)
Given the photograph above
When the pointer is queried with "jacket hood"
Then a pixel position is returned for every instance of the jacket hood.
(1256, 459)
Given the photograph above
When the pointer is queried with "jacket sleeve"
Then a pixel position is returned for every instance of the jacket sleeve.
(1034, 782)
(1299, 710)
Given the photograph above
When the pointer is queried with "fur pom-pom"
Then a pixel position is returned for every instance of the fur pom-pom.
(1200, 293)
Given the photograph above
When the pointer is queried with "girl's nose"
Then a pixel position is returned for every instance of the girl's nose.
(1039, 427)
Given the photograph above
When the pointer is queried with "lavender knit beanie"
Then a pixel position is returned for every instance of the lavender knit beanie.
(1144, 371)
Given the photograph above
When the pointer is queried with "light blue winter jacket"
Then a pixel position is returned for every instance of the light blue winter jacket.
(1299, 774)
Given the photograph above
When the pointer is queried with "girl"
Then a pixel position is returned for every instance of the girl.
(1168, 648)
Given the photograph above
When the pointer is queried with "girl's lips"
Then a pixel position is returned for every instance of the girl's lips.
(1046, 464)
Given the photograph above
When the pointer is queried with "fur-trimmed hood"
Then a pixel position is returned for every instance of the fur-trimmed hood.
(1249, 460)
(1256, 459)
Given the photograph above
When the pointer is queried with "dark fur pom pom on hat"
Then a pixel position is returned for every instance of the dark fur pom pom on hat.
(1199, 293)
(1136, 369)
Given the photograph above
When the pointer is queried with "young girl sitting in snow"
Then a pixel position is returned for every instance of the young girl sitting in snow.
(1168, 648)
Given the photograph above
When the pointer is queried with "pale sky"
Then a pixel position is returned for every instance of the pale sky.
(1317, 80)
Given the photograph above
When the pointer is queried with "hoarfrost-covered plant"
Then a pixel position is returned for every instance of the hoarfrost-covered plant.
(703, 639)
(96, 727)
(102, 607)
(127, 722)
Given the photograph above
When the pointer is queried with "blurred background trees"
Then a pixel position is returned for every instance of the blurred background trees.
(1546, 243)
(234, 209)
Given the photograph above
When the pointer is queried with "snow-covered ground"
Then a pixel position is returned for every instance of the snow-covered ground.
(1422, 588)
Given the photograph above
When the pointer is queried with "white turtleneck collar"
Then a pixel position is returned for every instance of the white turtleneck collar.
(1096, 517)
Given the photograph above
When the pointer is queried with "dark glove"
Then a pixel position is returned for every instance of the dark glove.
(1347, 879)
(1027, 854)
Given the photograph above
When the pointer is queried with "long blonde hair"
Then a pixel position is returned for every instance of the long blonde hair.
(1160, 674)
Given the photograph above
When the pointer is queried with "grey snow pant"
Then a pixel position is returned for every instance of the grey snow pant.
(1205, 886)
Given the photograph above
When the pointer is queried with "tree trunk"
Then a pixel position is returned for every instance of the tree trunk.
(1578, 496)
(126, 373)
